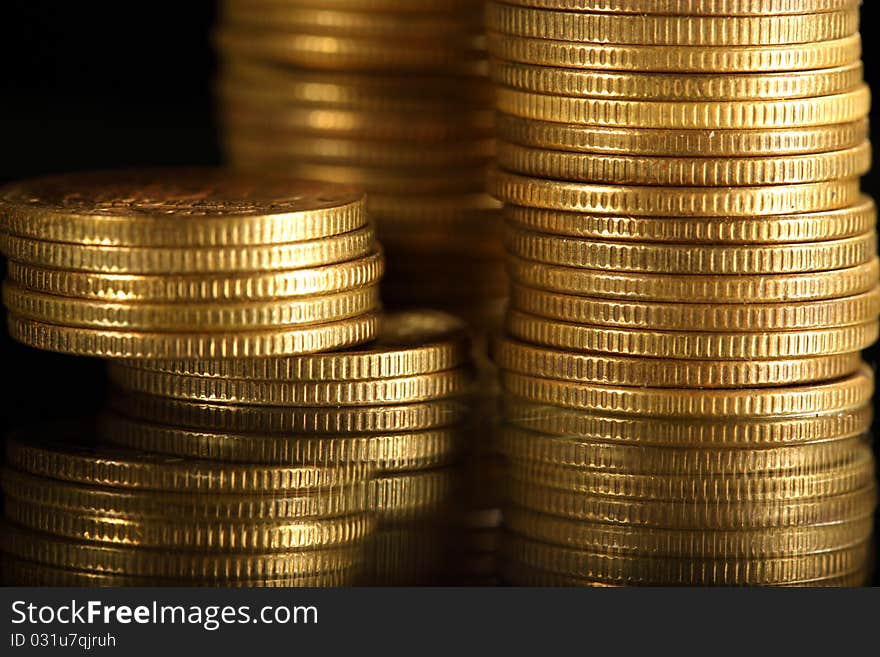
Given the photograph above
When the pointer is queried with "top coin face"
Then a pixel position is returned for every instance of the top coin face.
(208, 207)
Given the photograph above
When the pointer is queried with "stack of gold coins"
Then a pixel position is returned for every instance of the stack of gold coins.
(390, 95)
(200, 263)
(694, 274)
(395, 406)
(79, 513)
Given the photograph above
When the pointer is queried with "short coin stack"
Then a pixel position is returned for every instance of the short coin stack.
(395, 407)
(391, 96)
(200, 263)
(694, 273)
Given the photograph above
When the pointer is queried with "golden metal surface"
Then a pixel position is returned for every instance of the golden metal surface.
(670, 86)
(856, 219)
(182, 317)
(761, 288)
(240, 344)
(695, 171)
(178, 208)
(369, 392)
(409, 343)
(682, 59)
(841, 394)
(700, 345)
(684, 143)
(692, 7)
(668, 372)
(843, 311)
(672, 201)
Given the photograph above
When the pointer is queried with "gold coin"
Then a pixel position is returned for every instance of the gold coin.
(367, 392)
(386, 452)
(712, 345)
(835, 424)
(714, 115)
(518, 574)
(194, 533)
(682, 58)
(99, 500)
(668, 373)
(264, 82)
(696, 288)
(171, 563)
(694, 171)
(178, 208)
(641, 570)
(855, 220)
(693, 7)
(689, 515)
(687, 316)
(685, 488)
(672, 201)
(762, 30)
(683, 402)
(121, 468)
(272, 420)
(683, 143)
(26, 573)
(126, 316)
(689, 258)
(409, 343)
(661, 542)
(240, 344)
(396, 26)
(692, 259)
(671, 86)
(290, 122)
(407, 496)
(685, 461)
(326, 279)
(189, 260)
(359, 153)
(463, 54)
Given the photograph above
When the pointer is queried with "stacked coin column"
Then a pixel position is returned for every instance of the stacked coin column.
(694, 274)
(394, 407)
(390, 95)
(196, 265)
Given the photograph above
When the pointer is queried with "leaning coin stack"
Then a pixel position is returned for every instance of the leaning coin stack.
(389, 95)
(694, 274)
(394, 406)
(201, 263)
(81, 513)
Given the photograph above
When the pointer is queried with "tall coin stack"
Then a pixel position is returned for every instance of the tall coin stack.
(694, 274)
(197, 265)
(390, 95)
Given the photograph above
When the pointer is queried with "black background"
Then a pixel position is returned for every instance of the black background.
(93, 85)
(86, 85)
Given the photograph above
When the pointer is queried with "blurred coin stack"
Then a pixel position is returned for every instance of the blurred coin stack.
(389, 95)
(395, 407)
(694, 274)
(216, 272)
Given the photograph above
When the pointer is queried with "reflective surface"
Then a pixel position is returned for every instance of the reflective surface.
(161, 491)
